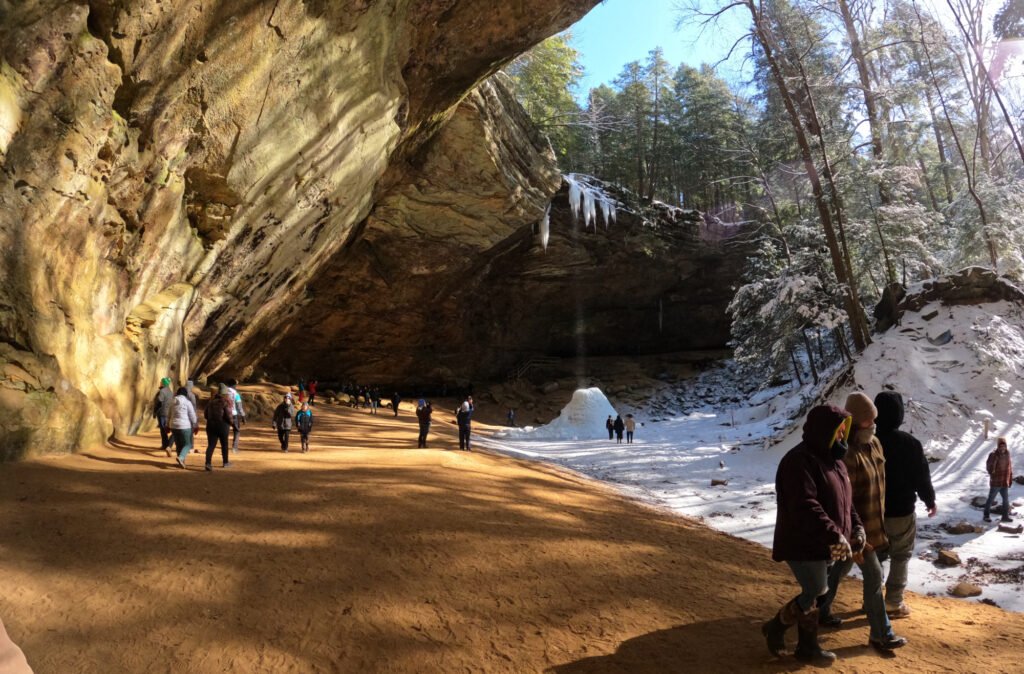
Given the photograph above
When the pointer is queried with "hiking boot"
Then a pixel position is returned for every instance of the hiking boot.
(829, 620)
(227, 465)
(807, 647)
(774, 632)
(986, 518)
(1005, 518)
(180, 462)
(895, 612)
(887, 645)
(209, 467)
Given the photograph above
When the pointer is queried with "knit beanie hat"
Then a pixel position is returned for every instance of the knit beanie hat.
(860, 408)
(166, 381)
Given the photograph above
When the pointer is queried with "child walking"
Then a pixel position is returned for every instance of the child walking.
(304, 424)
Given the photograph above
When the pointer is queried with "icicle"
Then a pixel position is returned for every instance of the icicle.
(611, 208)
(589, 216)
(574, 198)
(606, 206)
(545, 227)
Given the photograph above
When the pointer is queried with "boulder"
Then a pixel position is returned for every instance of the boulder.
(965, 589)
(961, 527)
(1011, 529)
(948, 558)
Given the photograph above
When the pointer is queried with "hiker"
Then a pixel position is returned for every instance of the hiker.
(191, 395)
(865, 465)
(464, 417)
(423, 412)
(511, 416)
(183, 424)
(630, 427)
(161, 411)
(814, 525)
(219, 420)
(283, 415)
(1000, 476)
(907, 478)
(304, 425)
(395, 401)
(619, 426)
(239, 413)
(610, 426)
(312, 391)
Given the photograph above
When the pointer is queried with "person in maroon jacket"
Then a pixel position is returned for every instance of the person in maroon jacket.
(814, 526)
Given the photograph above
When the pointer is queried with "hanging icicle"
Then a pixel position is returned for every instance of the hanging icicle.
(545, 227)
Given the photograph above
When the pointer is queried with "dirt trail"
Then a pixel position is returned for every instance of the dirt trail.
(369, 556)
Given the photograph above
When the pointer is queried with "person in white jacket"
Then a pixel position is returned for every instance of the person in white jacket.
(183, 423)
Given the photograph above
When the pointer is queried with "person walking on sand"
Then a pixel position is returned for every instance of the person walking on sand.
(865, 465)
(630, 427)
(423, 413)
(304, 425)
(464, 417)
(619, 426)
(312, 391)
(238, 418)
(907, 478)
(219, 421)
(161, 411)
(396, 400)
(283, 417)
(183, 424)
(1000, 477)
(610, 427)
(814, 525)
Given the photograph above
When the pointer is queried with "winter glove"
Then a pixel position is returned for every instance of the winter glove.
(841, 550)
(858, 540)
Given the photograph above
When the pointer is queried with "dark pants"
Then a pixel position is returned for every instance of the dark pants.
(629, 437)
(424, 429)
(304, 441)
(282, 436)
(215, 434)
(611, 433)
(464, 437)
(618, 437)
(165, 433)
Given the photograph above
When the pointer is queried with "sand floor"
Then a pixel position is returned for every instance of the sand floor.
(367, 555)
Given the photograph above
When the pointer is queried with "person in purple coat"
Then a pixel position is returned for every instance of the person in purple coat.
(816, 524)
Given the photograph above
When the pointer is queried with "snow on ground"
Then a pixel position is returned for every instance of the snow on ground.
(951, 384)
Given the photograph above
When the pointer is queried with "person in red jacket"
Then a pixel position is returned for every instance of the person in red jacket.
(1000, 477)
(814, 526)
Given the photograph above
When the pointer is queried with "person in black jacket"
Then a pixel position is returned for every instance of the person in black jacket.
(907, 477)
(619, 425)
(464, 417)
(423, 412)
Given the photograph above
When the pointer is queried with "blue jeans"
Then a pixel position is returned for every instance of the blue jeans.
(182, 441)
(874, 602)
(1002, 491)
(813, 580)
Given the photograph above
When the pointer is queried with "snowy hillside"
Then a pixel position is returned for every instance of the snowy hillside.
(956, 370)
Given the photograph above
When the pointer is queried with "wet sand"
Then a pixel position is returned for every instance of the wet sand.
(368, 555)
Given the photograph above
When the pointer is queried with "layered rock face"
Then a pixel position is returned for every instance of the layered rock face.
(403, 307)
(174, 174)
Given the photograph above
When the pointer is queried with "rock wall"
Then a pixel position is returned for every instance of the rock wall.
(174, 173)
(446, 285)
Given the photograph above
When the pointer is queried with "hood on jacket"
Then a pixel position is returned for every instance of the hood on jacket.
(821, 425)
(890, 410)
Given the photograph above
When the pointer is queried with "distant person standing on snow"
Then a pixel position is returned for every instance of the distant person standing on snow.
(619, 426)
(161, 411)
(865, 465)
(304, 425)
(1000, 477)
(907, 478)
(814, 523)
(283, 416)
(423, 413)
(610, 426)
(464, 417)
(630, 427)
(183, 424)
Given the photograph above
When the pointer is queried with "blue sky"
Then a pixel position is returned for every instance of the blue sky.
(619, 31)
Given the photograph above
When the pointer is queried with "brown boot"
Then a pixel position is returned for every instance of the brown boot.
(807, 648)
(774, 630)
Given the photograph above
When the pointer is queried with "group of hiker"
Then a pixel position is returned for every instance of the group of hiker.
(846, 495)
(618, 425)
(177, 416)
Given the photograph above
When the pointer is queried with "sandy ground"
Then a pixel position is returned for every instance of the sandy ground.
(367, 555)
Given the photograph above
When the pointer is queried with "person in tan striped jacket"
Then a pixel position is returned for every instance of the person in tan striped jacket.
(865, 464)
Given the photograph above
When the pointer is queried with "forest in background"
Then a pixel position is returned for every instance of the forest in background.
(879, 142)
